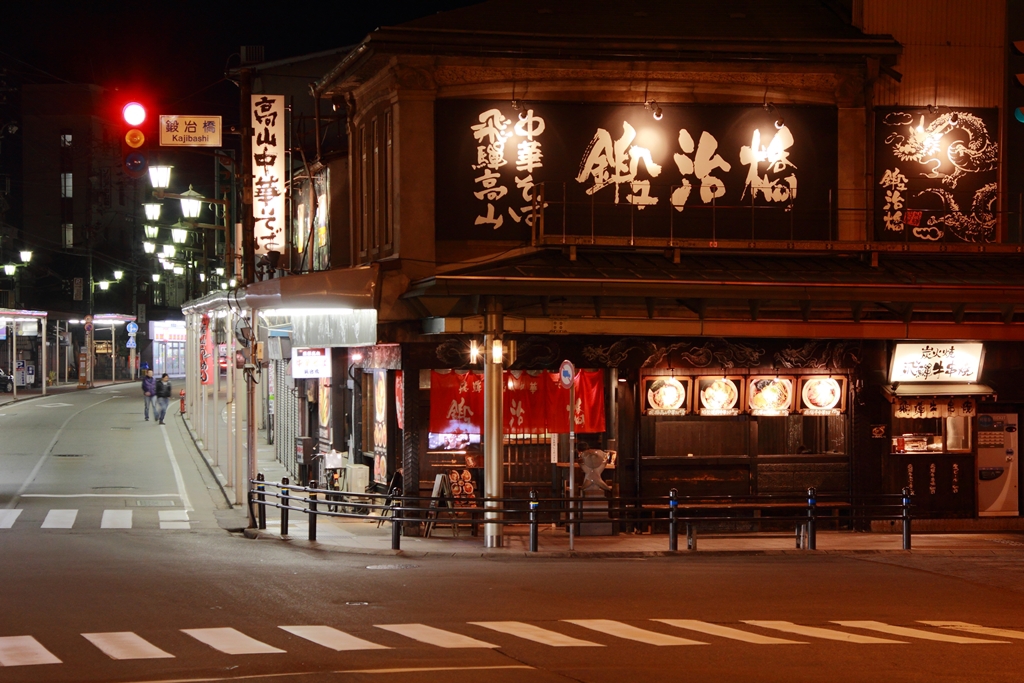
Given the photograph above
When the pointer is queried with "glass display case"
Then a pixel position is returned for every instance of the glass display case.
(931, 435)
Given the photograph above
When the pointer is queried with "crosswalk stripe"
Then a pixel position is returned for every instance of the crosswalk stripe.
(332, 638)
(8, 517)
(116, 519)
(915, 633)
(815, 632)
(126, 645)
(535, 633)
(230, 641)
(24, 651)
(620, 630)
(974, 628)
(727, 632)
(60, 519)
(433, 636)
(175, 525)
(173, 515)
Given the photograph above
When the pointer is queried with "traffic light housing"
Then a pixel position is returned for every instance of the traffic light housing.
(133, 139)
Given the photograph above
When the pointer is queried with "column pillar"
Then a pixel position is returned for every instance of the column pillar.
(410, 431)
(494, 467)
(46, 368)
(229, 399)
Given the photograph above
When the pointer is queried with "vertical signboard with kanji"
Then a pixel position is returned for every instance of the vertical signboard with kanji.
(268, 178)
(205, 352)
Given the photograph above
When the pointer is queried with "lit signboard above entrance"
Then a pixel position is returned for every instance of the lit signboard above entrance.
(937, 362)
(311, 363)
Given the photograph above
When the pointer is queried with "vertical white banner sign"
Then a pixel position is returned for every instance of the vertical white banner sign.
(268, 148)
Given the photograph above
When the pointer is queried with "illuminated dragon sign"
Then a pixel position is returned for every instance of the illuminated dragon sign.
(928, 164)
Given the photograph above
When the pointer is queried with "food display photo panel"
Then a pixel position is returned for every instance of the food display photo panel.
(770, 395)
(666, 395)
(719, 395)
(822, 395)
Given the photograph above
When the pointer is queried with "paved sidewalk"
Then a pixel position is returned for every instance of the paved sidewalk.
(70, 387)
(359, 536)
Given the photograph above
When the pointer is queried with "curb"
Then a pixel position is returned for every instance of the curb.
(33, 398)
(209, 464)
(257, 534)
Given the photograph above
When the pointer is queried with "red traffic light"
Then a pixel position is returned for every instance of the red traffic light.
(134, 114)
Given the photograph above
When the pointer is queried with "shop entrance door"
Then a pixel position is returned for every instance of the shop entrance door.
(997, 466)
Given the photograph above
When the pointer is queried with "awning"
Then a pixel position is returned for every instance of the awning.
(353, 288)
(923, 389)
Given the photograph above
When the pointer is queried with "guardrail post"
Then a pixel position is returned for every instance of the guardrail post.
(312, 512)
(906, 518)
(396, 525)
(673, 511)
(261, 496)
(284, 506)
(533, 520)
(812, 532)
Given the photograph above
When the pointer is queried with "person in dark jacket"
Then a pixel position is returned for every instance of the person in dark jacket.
(163, 397)
(149, 393)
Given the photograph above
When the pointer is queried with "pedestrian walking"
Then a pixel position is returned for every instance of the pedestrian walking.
(163, 397)
(149, 393)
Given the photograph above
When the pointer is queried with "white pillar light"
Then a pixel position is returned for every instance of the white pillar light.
(219, 271)
(178, 270)
(167, 265)
(118, 274)
(202, 277)
(152, 231)
(179, 235)
(156, 277)
(26, 256)
(149, 247)
(223, 285)
(9, 269)
(191, 203)
(152, 211)
(104, 285)
(168, 250)
(160, 177)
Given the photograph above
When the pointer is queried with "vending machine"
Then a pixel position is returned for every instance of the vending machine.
(997, 465)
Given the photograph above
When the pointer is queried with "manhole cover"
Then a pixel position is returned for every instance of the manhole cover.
(391, 566)
(68, 455)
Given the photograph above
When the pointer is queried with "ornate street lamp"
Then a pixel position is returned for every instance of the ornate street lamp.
(168, 250)
(26, 256)
(149, 247)
(104, 285)
(152, 231)
(179, 235)
(9, 269)
(191, 203)
(118, 274)
(160, 177)
(156, 277)
(152, 212)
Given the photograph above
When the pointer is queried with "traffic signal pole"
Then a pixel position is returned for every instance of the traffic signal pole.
(247, 271)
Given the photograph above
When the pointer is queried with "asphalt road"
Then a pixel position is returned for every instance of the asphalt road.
(173, 597)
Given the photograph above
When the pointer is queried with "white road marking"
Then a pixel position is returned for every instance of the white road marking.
(974, 628)
(535, 633)
(173, 515)
(42, 459)
(178, 479)
(181, 526)
(24, 651)
(433, 636)
(50, 405)
(230, 641)
(332, 638)
(126, 645)
(8, 517)
(60, 519)
(825, 633)
(116, 519)
(620, 630)
(915, 633)
(727, 632)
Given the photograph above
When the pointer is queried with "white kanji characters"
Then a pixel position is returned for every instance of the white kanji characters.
(516, 414)
(493, 132)
(776, 158)
(529, 156)
(701, 165)
(895, 183)
(607, 163)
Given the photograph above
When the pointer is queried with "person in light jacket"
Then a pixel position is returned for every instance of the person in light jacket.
(149, 394)
(163, 397)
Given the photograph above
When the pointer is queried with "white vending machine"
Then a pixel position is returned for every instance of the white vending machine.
(997, 465)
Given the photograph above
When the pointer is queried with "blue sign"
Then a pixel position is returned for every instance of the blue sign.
(132, 328)
(130, 344)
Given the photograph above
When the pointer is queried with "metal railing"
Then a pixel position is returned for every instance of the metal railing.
(673, 511)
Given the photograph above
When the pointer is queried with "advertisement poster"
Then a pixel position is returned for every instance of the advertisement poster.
(380, 426)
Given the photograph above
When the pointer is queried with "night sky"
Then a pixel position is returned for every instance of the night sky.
(177, 51)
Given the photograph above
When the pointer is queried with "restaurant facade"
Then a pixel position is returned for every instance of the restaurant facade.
(775, 258)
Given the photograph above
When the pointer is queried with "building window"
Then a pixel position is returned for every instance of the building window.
(389, 179)
(65, 138)
(66, 184)
(68, 230)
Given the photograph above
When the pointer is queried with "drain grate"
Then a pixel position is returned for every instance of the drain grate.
(68, 455)
(154, 503)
